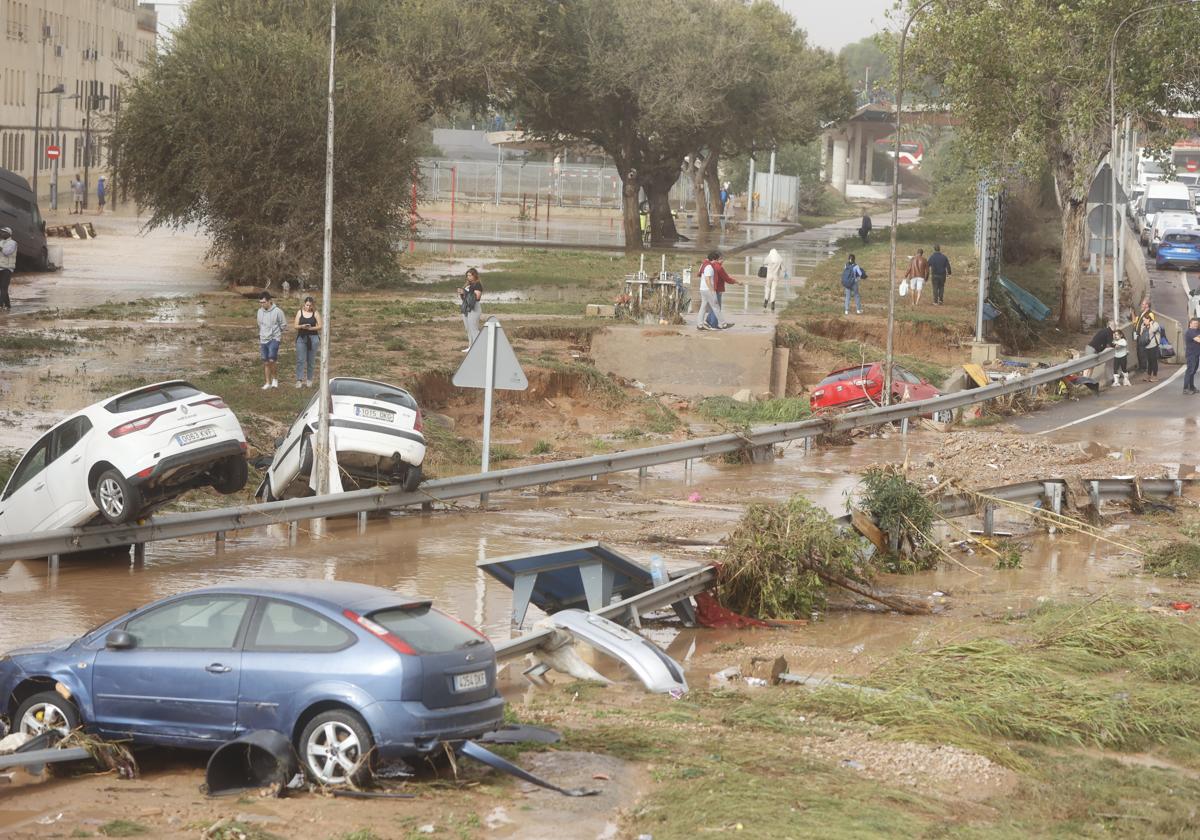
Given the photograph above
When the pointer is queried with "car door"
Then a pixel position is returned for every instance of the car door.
(67, 474)
(289, 648)
(178, 684)
(28, 502)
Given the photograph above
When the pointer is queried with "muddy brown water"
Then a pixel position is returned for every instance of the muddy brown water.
(435, 554)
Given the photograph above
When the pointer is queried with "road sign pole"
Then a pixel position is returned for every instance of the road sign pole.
(489, 384)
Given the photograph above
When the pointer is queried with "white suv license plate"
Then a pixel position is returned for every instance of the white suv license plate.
(184, 438)
(374, 413)
(471, 681)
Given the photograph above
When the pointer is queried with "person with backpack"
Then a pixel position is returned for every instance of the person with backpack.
(852, 275)
(470, 298)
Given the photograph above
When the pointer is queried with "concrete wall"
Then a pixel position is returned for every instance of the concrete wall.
(686, 361)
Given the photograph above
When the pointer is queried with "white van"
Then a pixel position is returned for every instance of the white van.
(1169, 196)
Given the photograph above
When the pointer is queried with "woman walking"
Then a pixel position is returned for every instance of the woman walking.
(471, 295)
(1151, 340)
(308, 341)
(774, 265)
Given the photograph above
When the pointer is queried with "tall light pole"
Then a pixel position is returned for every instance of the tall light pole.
(58, 142)
(37, 132)
(91, 101)
(322, 453)
(1118, 229)
(891, 324)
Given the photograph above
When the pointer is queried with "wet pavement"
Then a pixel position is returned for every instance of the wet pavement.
(123, 263)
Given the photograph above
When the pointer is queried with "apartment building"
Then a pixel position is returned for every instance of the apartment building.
(86, 46)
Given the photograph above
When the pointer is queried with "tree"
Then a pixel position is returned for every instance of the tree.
(1029, 81)
(657, 82)
(226, 130)
(862, 57)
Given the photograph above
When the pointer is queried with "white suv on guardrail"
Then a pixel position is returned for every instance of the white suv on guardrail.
(123, 457)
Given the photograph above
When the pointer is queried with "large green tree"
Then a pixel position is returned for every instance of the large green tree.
(1029, 81)
(226, 129)
(656, 82)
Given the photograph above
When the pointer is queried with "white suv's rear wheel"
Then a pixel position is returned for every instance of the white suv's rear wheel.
(118, 500)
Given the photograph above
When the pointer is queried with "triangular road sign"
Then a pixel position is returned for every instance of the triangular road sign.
(473, 371)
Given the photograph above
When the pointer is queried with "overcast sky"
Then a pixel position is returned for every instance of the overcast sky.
(835, 24)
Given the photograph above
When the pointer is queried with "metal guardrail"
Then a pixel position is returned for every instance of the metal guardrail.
(176, 526)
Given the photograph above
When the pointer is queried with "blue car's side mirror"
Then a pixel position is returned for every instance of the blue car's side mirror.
(119, 640)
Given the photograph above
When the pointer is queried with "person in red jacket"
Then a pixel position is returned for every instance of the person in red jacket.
(719, 278)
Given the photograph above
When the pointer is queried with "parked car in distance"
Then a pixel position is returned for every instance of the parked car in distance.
(124, 456)
(1180, 248)
(1162, 197)
(19, 211)
(1169, 221)
(345, 670)
(375, 431)
(861, 386)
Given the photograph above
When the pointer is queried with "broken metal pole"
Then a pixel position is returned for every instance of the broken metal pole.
(50, 756)
(220, 542)
(362, 522)
(989, 520)
(139, 552)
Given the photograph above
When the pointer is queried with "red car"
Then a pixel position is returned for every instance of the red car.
(861, 386)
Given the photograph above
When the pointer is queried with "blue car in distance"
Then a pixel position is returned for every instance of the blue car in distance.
(345, 670)
(1180, 248)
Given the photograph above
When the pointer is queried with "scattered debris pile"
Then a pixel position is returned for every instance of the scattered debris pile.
(903, 514)
(782, 557)
(1180, 559)
(982, 459)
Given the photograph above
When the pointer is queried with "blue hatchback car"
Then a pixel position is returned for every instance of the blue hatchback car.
(1180, 248)
(341, 668)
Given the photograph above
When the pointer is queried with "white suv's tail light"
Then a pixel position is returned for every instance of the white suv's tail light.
(137, 425)
(418, 423)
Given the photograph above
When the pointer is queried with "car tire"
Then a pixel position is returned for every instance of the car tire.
(230, 475)
(412, 479)
(44, 711)
(268, 496)
(343, 764)
(118, 500)
(306, 455)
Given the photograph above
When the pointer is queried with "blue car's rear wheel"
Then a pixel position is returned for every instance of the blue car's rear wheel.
(46, 711)
(336, 748)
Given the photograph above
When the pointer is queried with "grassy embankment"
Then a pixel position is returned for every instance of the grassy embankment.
(928, 337)
(1056, 697)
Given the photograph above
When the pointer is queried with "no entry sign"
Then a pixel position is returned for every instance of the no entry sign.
(53, 152)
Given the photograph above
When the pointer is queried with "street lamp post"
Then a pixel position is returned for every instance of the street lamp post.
(92, 100)
(37, 132)
(1118, 229)
(322, 453)
(899, 105)
(58, 142)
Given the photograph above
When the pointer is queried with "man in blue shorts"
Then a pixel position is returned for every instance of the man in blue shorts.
(270, 330)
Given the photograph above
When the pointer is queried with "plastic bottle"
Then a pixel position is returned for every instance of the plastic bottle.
(658, 570)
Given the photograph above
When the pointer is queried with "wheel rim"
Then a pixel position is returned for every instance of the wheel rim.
(44, 717)
(333, 753)
(112, 500)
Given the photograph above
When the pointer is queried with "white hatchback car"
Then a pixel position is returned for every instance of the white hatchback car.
(125, 456)
(375, 433)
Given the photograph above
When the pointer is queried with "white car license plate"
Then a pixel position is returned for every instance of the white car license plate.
(374, 413)
(471, 681)
(184, 438)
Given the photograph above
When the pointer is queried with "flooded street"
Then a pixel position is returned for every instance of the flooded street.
(435, 554)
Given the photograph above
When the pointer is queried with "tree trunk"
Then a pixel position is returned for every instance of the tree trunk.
(698, 169)
(630, 221)
(714, 182)
(1070, 270)
(662, 223)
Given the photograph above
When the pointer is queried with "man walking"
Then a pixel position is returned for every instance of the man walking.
(918, 270)
(101, 193)
(77, 193)
(709, 278)
(1191, 338)
(864, 229)
(939, 270)
(852, 275)
(271, 323)
(8, 264)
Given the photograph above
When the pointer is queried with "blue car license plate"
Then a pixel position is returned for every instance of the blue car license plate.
(471, 681)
